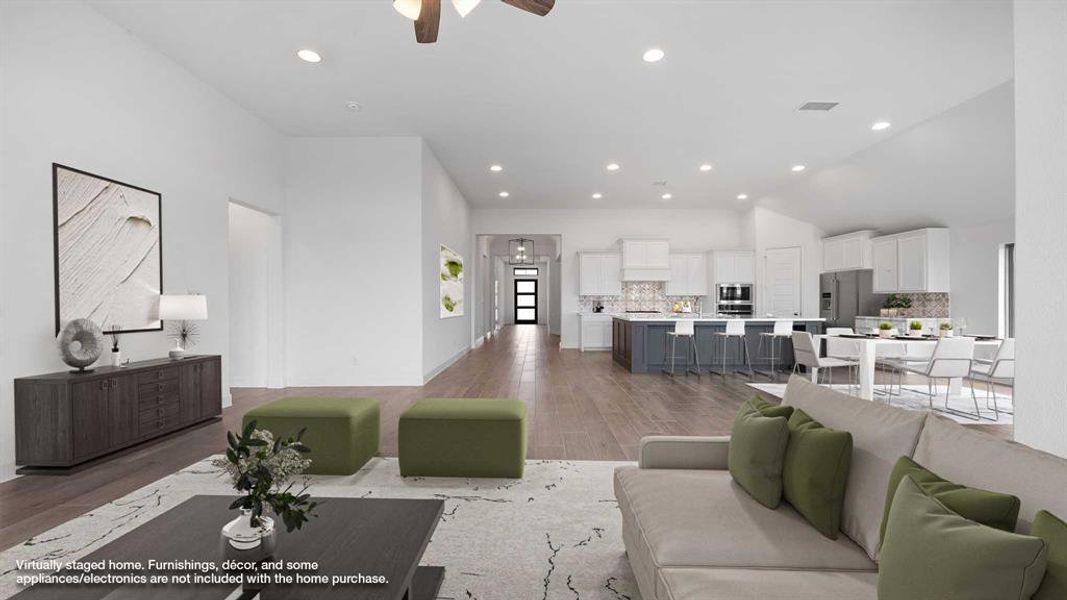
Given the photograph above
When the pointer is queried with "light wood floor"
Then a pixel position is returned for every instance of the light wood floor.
(581, 406)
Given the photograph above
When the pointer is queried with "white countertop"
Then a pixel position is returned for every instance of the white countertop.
(706, 319)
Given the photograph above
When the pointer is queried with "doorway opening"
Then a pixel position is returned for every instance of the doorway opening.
(526, 302)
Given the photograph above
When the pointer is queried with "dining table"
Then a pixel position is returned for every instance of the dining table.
(866, 348)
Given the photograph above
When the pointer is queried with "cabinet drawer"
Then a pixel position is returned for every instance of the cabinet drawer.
(159, 374)
(158, 419)
(159, 388)
(152, 402)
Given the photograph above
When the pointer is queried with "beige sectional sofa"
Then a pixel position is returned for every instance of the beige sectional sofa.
(691, 533)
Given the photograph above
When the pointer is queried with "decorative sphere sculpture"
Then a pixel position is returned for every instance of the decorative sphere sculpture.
(80, 343)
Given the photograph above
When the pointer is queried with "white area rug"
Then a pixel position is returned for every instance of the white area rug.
(911, 399)
(556, 533)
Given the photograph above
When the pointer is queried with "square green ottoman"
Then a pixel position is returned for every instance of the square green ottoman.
(463, 437)
(342, 433)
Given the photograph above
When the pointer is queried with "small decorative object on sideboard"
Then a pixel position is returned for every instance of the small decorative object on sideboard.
(262, 468)
(180, 309)
(945, 329)
(885, 329)
(80, 344)
(915, 329)
(116, 354)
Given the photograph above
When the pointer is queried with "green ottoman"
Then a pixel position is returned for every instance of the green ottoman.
(463, 437)
(342, 433)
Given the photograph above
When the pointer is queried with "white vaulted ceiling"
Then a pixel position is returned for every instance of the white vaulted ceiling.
(555, 99)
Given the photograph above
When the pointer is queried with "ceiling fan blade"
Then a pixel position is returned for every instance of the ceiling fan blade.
(428, 22)
(537, 7)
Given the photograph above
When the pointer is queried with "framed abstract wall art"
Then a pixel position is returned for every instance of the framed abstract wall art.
(451, 275)
(108, 251)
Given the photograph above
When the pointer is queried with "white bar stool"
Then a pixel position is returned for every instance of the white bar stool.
(735, 329)
(783, 330)
(685, 329)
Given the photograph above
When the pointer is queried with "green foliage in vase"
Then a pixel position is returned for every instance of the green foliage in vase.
(897, 301)
(915, 326)
(945, 325)
(885, 326)
(262, 468)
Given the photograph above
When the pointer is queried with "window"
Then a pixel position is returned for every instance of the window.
(1007, 291)
(525, 272)
(526, 301)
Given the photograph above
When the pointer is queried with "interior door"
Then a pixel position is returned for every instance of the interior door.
(526, 302)
(782, 278)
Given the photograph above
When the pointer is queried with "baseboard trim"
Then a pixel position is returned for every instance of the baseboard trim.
(478, 342)
(448, 363)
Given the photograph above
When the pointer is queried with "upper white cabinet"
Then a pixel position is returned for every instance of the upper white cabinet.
(847, 252)
(646, 254)
(599, 274)
(914, 261)
(734, 266)
(689, 275)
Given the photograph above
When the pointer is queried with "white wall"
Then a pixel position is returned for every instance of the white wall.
(975, 272)
(554, 300)
(1041, 223)
(445, 220)
(79, 90)
(251, 244)
(773, 230)
(353, 261)
(591, 230)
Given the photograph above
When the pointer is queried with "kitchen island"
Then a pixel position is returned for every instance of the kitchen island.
(637, 341)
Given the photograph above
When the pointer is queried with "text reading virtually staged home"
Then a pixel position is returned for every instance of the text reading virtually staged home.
(533, 299)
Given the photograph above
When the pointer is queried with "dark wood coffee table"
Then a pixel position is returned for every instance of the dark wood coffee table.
(349, 535)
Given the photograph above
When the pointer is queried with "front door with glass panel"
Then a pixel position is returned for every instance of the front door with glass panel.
(525, 301)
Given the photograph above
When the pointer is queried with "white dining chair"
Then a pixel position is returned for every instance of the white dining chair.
(807, 355)
(684, 329)
(735, 330)
(782, 331)
(999, 370)
(952, 358)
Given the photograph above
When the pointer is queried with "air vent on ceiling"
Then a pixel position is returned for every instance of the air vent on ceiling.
(823, 106)
(660, 183)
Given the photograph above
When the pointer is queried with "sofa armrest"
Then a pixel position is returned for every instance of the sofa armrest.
(683, 452)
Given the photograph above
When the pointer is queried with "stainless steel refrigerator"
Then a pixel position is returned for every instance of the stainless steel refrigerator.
(845, 295)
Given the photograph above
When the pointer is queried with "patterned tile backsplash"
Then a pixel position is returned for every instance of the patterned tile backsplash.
(638, 295)
(932, 304)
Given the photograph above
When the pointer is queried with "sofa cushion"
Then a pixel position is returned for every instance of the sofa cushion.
(996, 510)
(690, 518)
(931, 552)
(880, 435)
(757, 449)
(976, 459)
(760, 584)
(815, 472)
(1053, 530)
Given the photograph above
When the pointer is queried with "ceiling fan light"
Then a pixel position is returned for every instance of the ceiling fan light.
(409, 8)
(464, 7)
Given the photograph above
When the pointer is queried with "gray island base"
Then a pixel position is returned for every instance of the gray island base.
(638, 343)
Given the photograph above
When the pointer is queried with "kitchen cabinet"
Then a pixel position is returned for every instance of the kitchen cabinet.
(596, 332)
(689, 275)
(847, 252)
(734, 266)
(599, 274)
(913, 261)
(645, 254)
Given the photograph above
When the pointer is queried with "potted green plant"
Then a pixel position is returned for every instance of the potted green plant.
(915, 328)
(885, 329)
(895, 304)
(262, 470)
(944, 329)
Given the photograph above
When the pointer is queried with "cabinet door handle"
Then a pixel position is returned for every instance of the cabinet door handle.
(114, 383)
(159, 388)
(159, 374)
(159, 411)
(102, 385)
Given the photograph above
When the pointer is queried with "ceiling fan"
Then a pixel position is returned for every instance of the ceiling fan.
(427, 13)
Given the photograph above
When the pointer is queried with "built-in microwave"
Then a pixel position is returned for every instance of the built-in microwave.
(734, 293)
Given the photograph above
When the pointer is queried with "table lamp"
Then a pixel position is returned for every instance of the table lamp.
(182, 308)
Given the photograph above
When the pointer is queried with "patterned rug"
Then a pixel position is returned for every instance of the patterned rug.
(555, 534)
(914, 398)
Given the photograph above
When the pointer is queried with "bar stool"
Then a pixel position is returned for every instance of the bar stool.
(735, 328)
(686, 329)
(783, 330)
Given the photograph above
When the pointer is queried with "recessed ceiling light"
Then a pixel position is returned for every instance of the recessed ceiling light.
(309, 56)
(653, 55)
(798, 168)
(705, 167)
(354, 106)
(742, 196)
(613, 167)
(880, 126)
(504, 194)
(667, 196)
(597, 196)
(496, 168)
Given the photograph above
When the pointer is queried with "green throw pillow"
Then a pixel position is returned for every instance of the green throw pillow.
(815, 472)
(931, 552)
(988, 508)
(1054, 531)
(757, 448)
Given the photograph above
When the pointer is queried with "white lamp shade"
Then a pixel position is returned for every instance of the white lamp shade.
(409, 8)
(182, 307)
